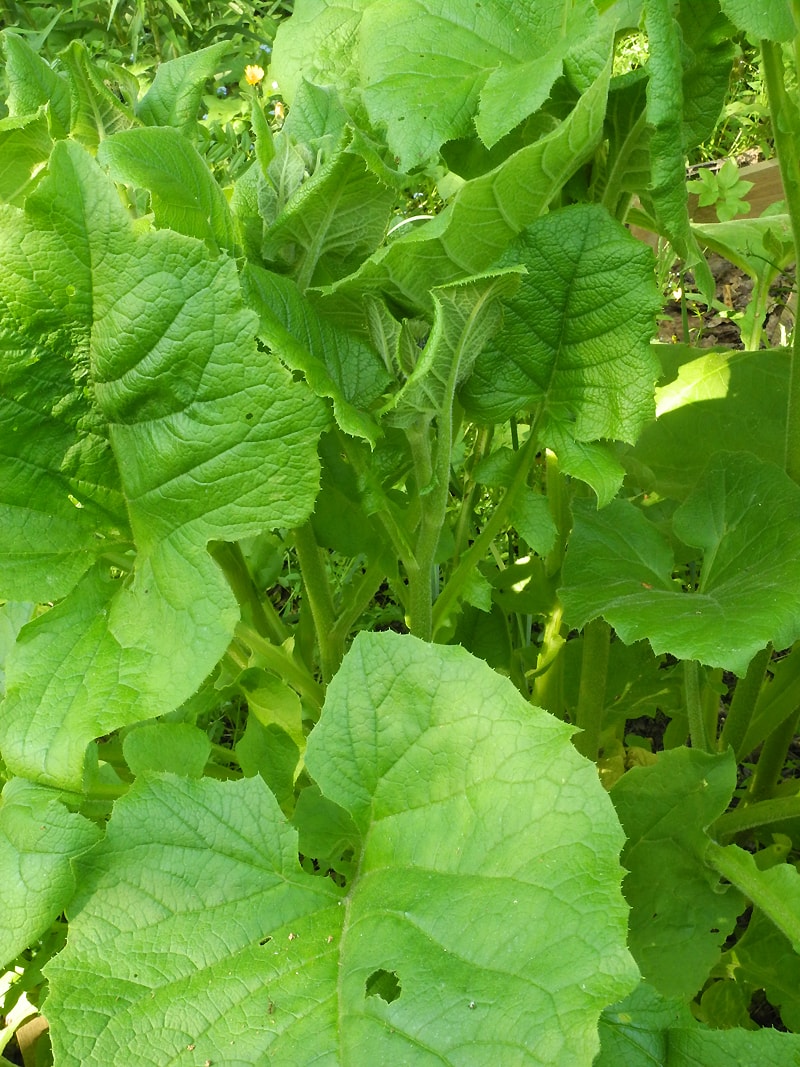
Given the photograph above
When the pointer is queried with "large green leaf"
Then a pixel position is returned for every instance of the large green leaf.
(183, 192)
(716, 402)
(764, 958)
(32, 83)
(664, 113)
(706, 53)
(60, 498)
(577, 335)
(335, 220)
(468, 314)
(96, 112)
(680, 914)
(492, 65)
(209, 439)
(25, 146)
(485, 913)
(474, 230)
(13, 616)
(774, 21)
(38, 838)
(486, 68)
(335, 363)
(647, 1029)
(774, 890)
(174, 97)
(745, 517)
(317, 45)
(188, 930)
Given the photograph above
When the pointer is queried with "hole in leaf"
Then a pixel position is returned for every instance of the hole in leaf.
(383, 984)
(249, 415)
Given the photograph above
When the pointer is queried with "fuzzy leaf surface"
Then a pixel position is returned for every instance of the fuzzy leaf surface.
(197, 436)
(25, 146)
(332, 223)
(773, 21)
(475, 229)
(680, 915)
(96, 112)
(432, 747)
(464, 66)
(576, 338)
(184, 195)
(177, 90)
(316, 43)
(38, 838)
(60, 485)
(336, 364)
(467, 315)
(744, 516)
(194, 924)
(647, 1029)
(32, 83)
(664, 113)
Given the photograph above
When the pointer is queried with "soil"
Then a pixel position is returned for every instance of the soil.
(717, 325)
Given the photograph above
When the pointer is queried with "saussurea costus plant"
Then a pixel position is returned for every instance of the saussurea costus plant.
(249, 434)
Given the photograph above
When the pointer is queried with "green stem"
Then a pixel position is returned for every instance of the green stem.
(482, 444)
(547, 681)
(592, 689)
(223, 755)
(261, 613)
(684, 312)
(277, 659)
(751, 816)
(764, 888)
(480, 546)
(772, 759)
(694, 705)
(740, 712)
(786, 131)
(758, 309)
(320, 599)
(432, 486)
(558, 500)
(358, 600)
(615, 197)
(400, 544)
(120, 559)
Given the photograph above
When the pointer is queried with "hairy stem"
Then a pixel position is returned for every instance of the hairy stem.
(751, 816)
(482, 445)
(277, 659)
(320, 599)
(786, 131)
(592, 689)
(480, 546)
(259, 612)
(358, 600)
(547, 680)
(761, 887)
(740, 712)
(772, 759)
(432, 486)
(694, 705)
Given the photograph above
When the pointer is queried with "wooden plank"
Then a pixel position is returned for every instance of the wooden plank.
(767, 190)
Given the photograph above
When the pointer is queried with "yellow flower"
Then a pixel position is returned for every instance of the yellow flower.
(254, 75)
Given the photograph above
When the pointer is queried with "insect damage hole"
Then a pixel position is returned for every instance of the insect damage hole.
(383, 984)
